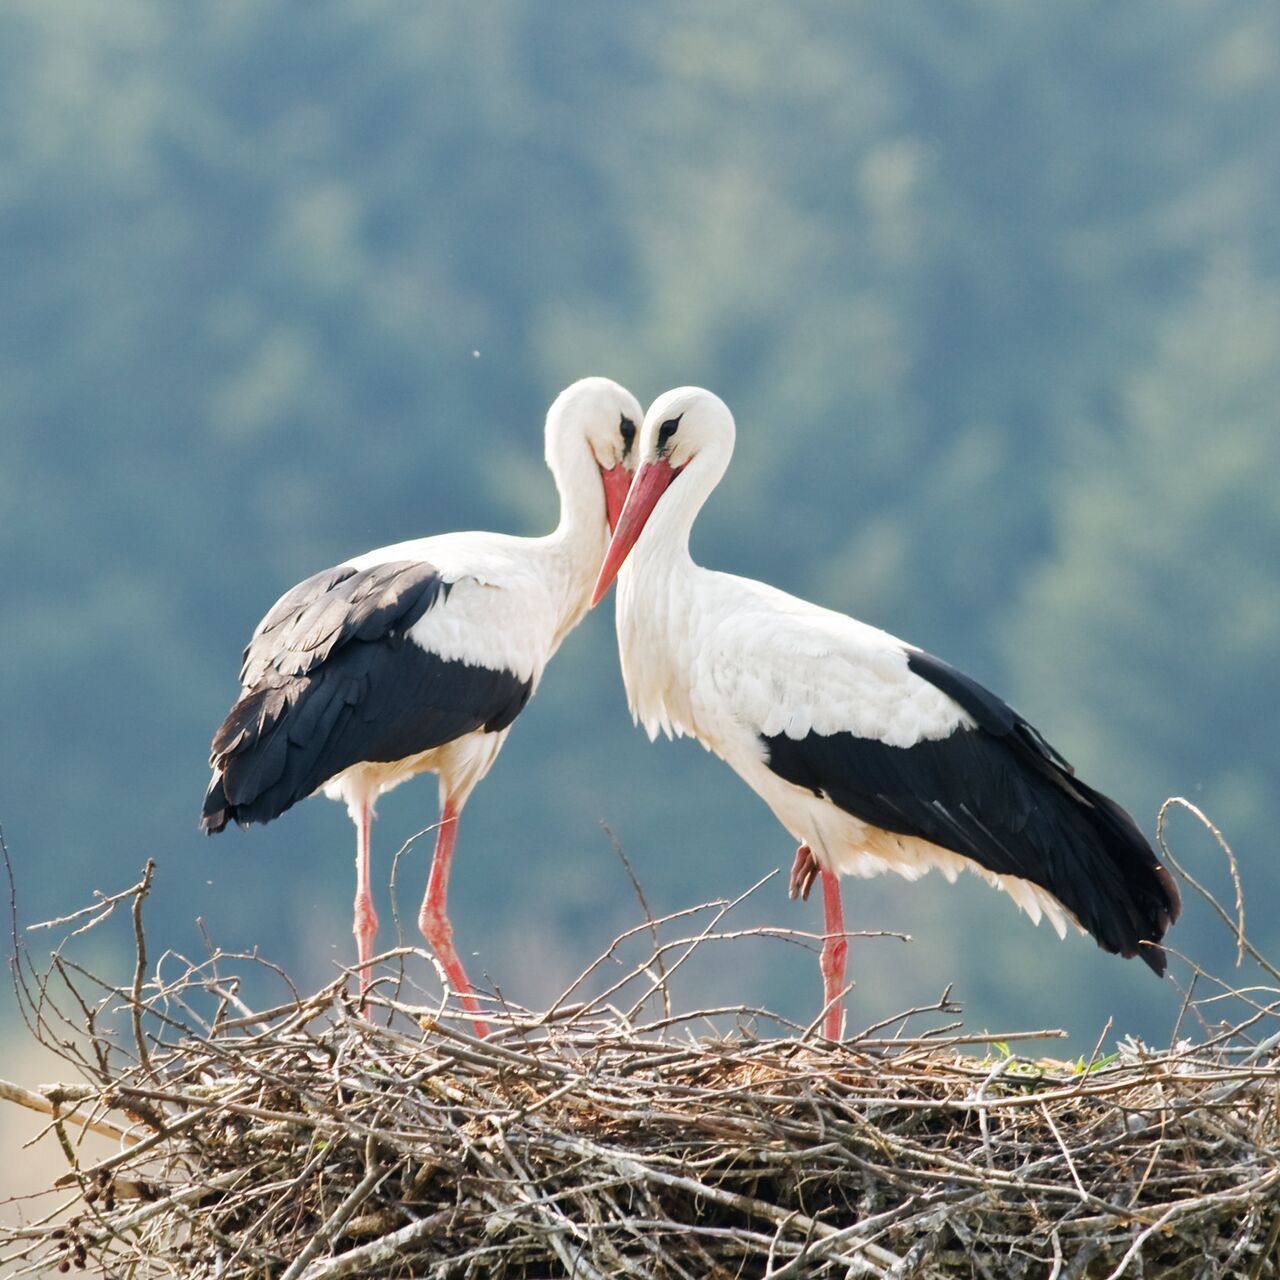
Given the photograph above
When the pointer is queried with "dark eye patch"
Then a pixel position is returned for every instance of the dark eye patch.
(628, 429)
(667, 430)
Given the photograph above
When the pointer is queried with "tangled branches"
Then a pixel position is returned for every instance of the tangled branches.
(597, 1139)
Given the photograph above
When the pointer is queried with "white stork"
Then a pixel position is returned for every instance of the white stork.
(873, 754)
(418, 657)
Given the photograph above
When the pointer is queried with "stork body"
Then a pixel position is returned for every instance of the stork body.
(873, 754)
(418, 657)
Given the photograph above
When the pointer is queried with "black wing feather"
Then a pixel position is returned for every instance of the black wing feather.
(331, 679)
(1000, 795)
(333, 607)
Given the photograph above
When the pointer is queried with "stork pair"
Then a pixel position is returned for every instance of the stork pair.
(874, 755)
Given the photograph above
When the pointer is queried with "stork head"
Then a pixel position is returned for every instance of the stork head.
(686, 430)
(608, 416)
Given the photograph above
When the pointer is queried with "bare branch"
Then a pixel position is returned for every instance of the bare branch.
(610, 1137)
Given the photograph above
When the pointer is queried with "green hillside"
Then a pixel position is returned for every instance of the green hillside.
(993, 290)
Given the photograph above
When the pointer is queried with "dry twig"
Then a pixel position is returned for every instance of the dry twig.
(305, 1143)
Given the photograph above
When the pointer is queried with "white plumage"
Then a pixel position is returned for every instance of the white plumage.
(874, 755)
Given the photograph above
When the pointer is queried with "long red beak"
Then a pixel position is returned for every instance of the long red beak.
(650, 484)
(617, 480)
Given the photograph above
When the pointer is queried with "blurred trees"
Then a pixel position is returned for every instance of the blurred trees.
(1159, 603)
(991, 289)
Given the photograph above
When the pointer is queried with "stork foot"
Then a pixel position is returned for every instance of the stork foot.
(804, 871)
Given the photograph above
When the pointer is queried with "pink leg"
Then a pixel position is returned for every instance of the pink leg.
(433, 919)
(365, 923)
(804, 871)
(831, 962)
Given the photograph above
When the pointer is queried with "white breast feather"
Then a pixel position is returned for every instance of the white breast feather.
(500, 612)
(783, 666)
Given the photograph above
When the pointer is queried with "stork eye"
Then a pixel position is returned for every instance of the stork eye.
(628, 429)
(667, 430)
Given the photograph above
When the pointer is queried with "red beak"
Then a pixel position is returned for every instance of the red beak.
(650, 484)
(617, 480)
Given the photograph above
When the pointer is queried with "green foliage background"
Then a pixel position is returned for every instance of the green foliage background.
(993, 289)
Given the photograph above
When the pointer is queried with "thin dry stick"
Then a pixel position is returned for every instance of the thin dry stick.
(381, 1251)
(720, 914)
(140, 967)
(1237, 925)
(336, 1221)
(97, 911)
(46, 1106)
(648, 917)
(603, 1143)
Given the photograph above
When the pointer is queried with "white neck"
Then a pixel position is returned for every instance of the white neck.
(657, 613)
(661, 593)
(658, 607)
(577, 545)
(663, 545)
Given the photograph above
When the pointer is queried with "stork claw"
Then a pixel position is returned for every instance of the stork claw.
(804, 871)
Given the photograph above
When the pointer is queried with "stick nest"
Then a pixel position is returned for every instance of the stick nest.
(612, 1137)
